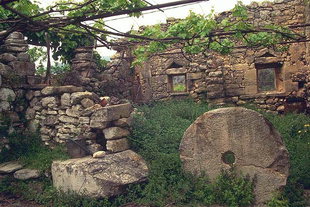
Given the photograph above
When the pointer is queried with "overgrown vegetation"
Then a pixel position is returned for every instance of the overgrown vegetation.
(157, 132)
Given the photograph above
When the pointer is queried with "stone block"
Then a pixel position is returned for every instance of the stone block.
(117, 145)
(26, 174)
(9, 167)
(48, 101)
(123, 122)
(176, 71)
(7, 57)
(79, 96)
(99, 177)
(86, 102)
(68, 119)
(7, 94)
(193, 76)
(115, 133)
(112, 113)
(22, 68)
(58, 90)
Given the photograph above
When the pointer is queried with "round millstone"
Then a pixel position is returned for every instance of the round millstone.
(238, 137)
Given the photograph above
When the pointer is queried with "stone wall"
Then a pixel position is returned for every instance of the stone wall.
(234, 78)
(16, 75)
(63, 113)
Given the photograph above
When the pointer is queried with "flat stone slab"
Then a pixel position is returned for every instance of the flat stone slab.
(25, 174)
(110, 113)
(237, 137)
(10, 167)
(99, 177)
(58, 90)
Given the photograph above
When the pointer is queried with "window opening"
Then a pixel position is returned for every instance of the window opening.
(178, 83)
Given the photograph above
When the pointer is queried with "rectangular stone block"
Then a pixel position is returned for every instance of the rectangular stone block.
(112, 113)
(115, 132)
(194, 76)
(176, 71)
(117, 145)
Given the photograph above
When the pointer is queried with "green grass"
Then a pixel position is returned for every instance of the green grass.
(157, 132)
(29, 150)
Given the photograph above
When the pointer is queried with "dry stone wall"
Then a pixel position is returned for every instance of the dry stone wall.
(16, 75)
(63, 113)
(235, 78)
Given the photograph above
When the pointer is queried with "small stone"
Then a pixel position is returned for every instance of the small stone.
(26, 174)
(68, 119)
(65, 100)
(84, 120)
(86, 103)
(281, 108)
(9, 167)
(48, 101)
(5, 106)
(115, 132)
(50, 120)
(7, 94)
(75, 111)
(99, 154)
(30, 113)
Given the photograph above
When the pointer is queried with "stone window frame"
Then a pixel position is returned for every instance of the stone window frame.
(278, 81)
(172, 72)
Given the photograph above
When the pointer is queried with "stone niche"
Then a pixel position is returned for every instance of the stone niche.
(66, 113)
(241, 138)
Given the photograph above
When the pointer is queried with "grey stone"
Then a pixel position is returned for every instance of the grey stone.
(99, 177)
(7, 94)
(22, 68)
(99, 154)
(78, 96)
(23, 56)
(58, 90)
(30, 113)
(86, 103)
(123, 122)
(257, 146)
(48, 101)
(7, 57)
(50, 120)
(68, 119)
(115, 132)
(10, 167)
(65, 100)
(26, 174)
(88, 111)
(5, 106)
(4, 69)
(117, 145)
(75, 111)
(112, 113)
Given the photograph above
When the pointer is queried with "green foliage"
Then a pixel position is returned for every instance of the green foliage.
(233, 190)
(28, 148)
(197, 34)
(278, 201)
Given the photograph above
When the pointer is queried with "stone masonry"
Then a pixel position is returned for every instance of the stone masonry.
(234, 78)
(68, 112)
(16, 75)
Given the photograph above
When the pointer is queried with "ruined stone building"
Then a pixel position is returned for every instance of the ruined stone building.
(236, 78)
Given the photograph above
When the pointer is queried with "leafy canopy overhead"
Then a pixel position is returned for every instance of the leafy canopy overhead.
(69, 24)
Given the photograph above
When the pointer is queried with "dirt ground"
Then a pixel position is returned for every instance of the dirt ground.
(11, 201)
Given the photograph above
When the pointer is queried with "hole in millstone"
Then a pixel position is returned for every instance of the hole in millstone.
(228, 157)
